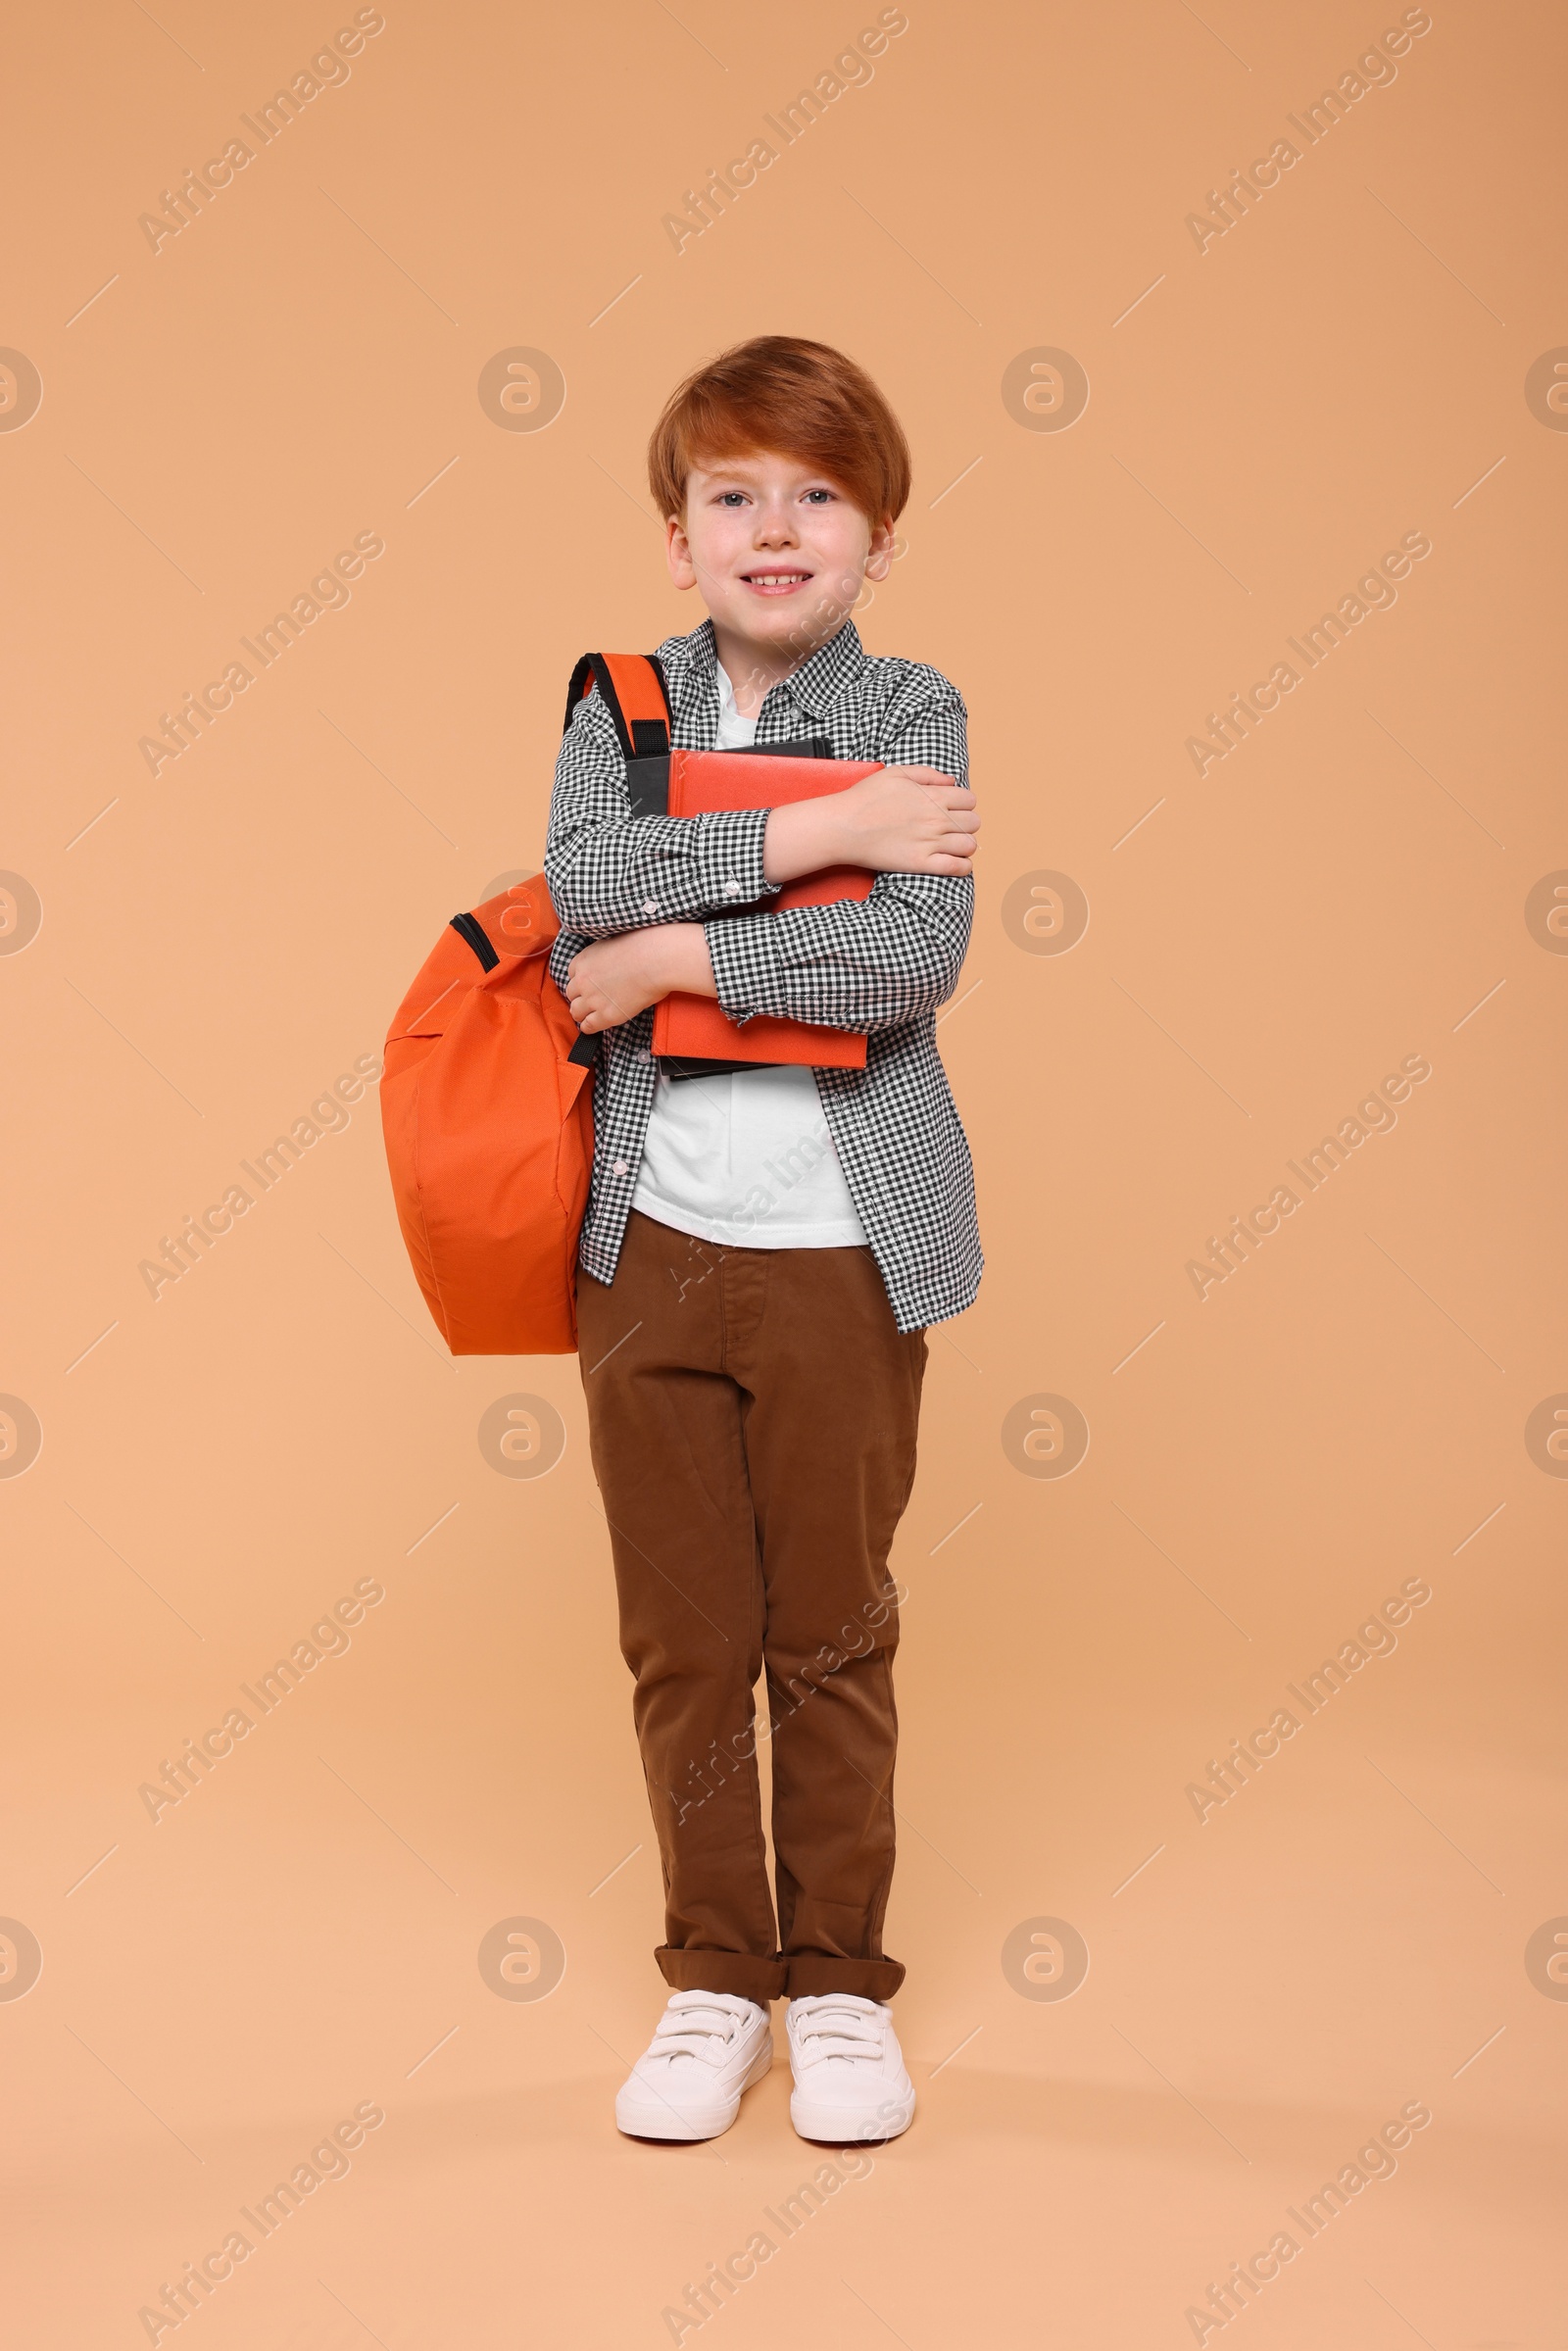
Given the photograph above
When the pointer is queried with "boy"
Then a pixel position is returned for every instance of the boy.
(762, 1251)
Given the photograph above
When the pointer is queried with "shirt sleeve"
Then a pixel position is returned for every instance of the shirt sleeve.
(609, 872)
(860, 964)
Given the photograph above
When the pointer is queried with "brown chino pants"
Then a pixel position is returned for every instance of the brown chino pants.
(751, 1415)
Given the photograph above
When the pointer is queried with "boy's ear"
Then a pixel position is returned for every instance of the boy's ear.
(678, 553)
(879, 558)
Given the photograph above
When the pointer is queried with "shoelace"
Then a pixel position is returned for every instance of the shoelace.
(838, 2030)
(698, 2030)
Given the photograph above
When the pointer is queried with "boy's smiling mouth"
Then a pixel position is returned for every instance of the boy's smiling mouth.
(776, 580)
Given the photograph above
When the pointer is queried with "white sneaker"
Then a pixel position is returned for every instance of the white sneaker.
(850, 2077)
(709, 2046)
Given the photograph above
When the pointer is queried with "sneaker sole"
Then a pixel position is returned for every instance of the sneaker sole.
(835, 2127)
(655, 2118)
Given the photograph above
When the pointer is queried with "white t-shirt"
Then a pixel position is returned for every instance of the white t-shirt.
(745, 1160)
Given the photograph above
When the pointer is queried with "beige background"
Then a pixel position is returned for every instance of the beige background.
(220, 942)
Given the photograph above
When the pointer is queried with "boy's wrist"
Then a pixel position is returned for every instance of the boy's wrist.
(684, 964)
(802, 837)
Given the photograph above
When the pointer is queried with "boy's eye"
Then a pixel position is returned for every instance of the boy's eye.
(824, 495)
(725, 496)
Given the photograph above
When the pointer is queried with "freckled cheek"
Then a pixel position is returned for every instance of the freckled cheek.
(840, 551)
(717, 545)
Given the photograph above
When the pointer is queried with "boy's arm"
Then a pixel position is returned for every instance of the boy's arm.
(860, 965)
(609, 872)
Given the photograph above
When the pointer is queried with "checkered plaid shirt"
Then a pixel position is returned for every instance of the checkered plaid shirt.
(881, 966)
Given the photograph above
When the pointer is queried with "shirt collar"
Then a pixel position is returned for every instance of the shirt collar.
(817, 683)
(814, 687)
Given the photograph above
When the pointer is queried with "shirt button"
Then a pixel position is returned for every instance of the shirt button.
(620, 1167)
(732, 889)
(650, 907)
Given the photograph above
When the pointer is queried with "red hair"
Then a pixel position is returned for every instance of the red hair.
(782, 394)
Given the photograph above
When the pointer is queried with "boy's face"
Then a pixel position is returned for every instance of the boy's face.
(777, 551)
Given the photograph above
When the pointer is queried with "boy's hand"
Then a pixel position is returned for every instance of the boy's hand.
(901, 821)
(615, 979)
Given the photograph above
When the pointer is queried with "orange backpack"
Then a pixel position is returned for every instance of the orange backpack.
(485, 1103)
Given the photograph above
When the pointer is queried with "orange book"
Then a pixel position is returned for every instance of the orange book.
(693, 1028)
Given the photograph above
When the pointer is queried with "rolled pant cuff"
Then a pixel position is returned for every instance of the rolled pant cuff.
(811, 1973)
(736, 1972)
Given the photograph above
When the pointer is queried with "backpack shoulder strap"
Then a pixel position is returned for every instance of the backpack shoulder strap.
(632, 688)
